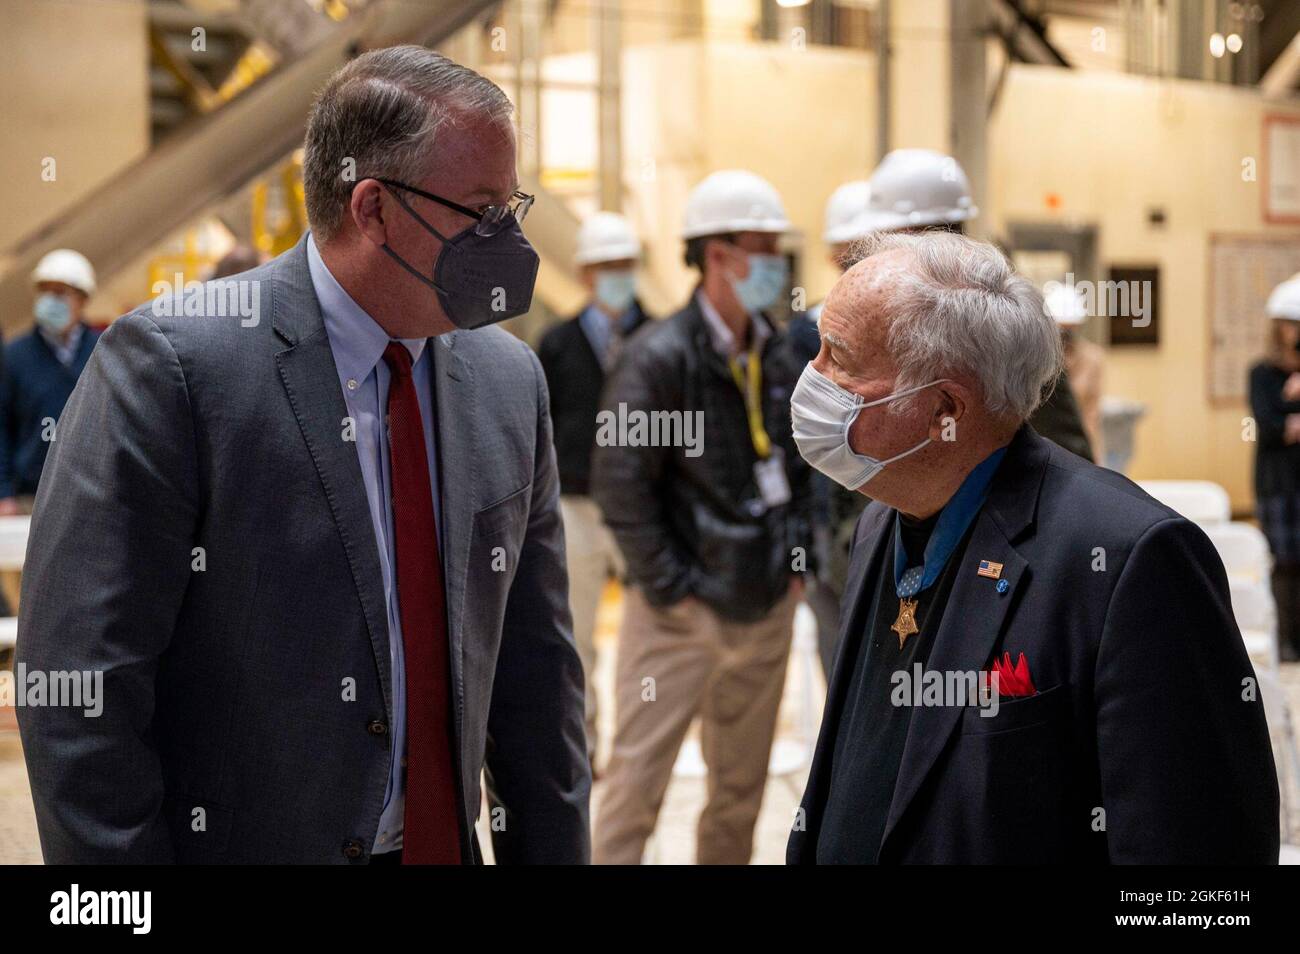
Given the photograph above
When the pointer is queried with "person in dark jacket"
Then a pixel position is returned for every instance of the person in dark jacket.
(1275, 403)
(697, 475)
(41, 369)
(1039, 662)
(576, 356)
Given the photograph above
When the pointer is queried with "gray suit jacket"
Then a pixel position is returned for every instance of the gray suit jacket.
(246, 686)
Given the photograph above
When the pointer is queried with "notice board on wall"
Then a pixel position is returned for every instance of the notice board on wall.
(1243, 271)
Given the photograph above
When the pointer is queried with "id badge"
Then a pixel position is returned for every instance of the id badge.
(773, 485)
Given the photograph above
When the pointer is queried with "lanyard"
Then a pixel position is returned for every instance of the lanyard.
(956, 517)
(753, 401)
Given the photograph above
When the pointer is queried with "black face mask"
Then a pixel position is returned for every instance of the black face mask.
(480, 279)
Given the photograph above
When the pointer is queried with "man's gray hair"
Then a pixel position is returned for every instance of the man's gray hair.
(377, 117)
(961, 309)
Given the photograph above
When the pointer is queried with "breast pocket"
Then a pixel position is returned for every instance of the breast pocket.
(1041, 708)
(498, 535)
(1008, 781)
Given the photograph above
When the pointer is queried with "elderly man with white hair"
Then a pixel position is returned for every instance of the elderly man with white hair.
(1038, 661)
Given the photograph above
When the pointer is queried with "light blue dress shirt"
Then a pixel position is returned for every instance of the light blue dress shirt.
(358, 344)
(595, 325)
(65, 351)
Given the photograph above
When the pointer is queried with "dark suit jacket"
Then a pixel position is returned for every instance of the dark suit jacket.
(575, 378)
(34, 386)
(1139, 746)
(257, 687)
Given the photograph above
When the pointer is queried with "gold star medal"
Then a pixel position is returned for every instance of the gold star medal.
(905, 625)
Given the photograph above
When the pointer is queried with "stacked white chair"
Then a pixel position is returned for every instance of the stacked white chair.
(1243, 549)
(1201, 501)
(13, 548)
(1281, 731)
(1256, 614)
(1246, 558)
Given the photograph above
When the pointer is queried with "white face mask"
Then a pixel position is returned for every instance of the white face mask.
(822, 414)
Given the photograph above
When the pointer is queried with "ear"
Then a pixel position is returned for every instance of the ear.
(367, 210)
(720, 255)
(949, 409)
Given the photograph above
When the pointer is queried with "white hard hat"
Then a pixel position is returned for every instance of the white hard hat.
(843, 210)
(606, 237)
(1284, 302)
(1065, 304)
(66, 266)
(733, 201)
(921, 187)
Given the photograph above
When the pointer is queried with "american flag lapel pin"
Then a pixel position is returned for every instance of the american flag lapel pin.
(990, 569)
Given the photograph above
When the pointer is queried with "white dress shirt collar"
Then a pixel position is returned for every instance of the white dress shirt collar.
(724, 342)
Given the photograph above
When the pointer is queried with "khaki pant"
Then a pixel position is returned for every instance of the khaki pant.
(673, 664)
(592, 557)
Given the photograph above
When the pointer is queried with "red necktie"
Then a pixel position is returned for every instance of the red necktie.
(431, 830)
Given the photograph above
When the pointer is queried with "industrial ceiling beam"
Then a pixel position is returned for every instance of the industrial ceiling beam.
(220, 154)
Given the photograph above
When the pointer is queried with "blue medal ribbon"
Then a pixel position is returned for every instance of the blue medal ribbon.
(953, 522)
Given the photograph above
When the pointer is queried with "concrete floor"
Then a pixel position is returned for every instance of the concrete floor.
(674, 842)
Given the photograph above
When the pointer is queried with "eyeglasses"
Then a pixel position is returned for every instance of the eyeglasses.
(491, 219)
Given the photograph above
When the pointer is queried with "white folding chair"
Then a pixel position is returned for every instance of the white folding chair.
(1200, 501)
(1243, 549)
(1256, 615)
(1281, 732)
(13, 548)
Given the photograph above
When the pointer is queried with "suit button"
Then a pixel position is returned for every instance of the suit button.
(377, 728)
(353, 850)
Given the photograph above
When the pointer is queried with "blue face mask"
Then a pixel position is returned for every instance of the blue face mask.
(764, 284)
(615, 290)
(52, 312)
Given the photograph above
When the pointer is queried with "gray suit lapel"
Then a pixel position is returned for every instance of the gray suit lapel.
(456, 423)
(311, 381)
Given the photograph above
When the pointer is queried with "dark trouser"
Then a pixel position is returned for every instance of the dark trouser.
(387, 858)
(1286, 593)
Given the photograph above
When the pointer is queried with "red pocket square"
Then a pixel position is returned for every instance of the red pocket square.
(1013, 680)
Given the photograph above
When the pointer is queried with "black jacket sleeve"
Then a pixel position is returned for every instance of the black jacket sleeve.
(628, 483)
(1268, 408)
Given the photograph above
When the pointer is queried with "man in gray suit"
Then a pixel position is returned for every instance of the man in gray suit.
(314, 546)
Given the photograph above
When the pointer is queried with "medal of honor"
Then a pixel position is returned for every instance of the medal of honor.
(905, 625)
(945, 536)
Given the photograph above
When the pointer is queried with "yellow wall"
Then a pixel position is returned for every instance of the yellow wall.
(802, 118)
(73, 86)
(919, 70)
(1111, 146)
